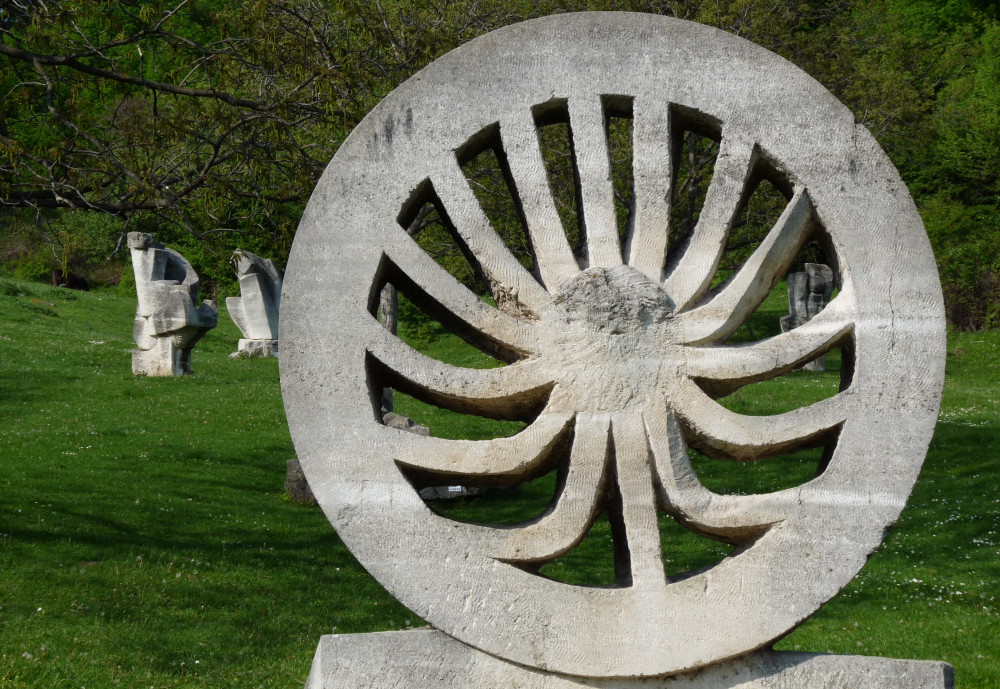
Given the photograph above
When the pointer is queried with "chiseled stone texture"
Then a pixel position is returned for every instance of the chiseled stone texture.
(404, 423)
(255, 311)
(298, 488)
(168, 323)
(614, 353)
(255, 348)
(427, 658)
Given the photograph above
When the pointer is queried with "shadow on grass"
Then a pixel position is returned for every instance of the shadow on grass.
(18, 390)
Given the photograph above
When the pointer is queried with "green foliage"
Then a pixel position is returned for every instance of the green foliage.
(22, 253)
(36, 266)
(415, 328)
(954, 162)
(209, 125)
(965, 241)
(9, 289)
(88, 243)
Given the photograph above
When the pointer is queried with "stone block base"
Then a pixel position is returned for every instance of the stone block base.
(425, 658)
(255, 348)
(163, 361)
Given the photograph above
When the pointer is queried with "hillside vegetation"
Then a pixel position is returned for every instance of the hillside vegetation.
(208, 122)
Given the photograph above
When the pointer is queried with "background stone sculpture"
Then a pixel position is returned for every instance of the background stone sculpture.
(167, 322)
(808, 293)
(614, 356)
(255, 311)
(388, 309)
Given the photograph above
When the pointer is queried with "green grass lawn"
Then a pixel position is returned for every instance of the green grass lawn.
(145, 540)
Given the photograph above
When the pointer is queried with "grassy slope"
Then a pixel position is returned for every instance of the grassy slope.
(145, 541)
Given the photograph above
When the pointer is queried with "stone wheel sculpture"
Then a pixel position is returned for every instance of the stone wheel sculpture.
(614, 357)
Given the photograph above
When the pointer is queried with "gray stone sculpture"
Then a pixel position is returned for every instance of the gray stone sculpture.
(808, 293)
(387, 316)
(297, 487)
(255, 311)
(168, 323)
(614, 359)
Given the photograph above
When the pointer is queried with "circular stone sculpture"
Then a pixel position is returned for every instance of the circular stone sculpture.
(615, 349)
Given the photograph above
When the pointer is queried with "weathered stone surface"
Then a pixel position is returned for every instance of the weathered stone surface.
(255, 311)
(298, 488)
(808, 293)
(255, 348)
(404, 423)
(167, 322)
(613, 357)
(428, 658)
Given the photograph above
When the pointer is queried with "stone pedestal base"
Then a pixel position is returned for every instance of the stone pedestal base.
(163, 360)
(255, 348)
(428, 658)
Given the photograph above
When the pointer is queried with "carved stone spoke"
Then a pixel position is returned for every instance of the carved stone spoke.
(614, 352)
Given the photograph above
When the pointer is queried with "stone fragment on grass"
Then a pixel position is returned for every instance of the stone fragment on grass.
(404, 423)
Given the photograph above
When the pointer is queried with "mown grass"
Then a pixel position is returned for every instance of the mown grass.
(145, 540)
(144, 536)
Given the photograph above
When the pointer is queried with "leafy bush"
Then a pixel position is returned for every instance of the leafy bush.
(415, 326)
(11, 289)
(968, 256)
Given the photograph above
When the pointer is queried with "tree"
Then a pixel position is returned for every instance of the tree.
(204, 118)
(143, 110)
(962, 212)
(939, 64)
(209, 121)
